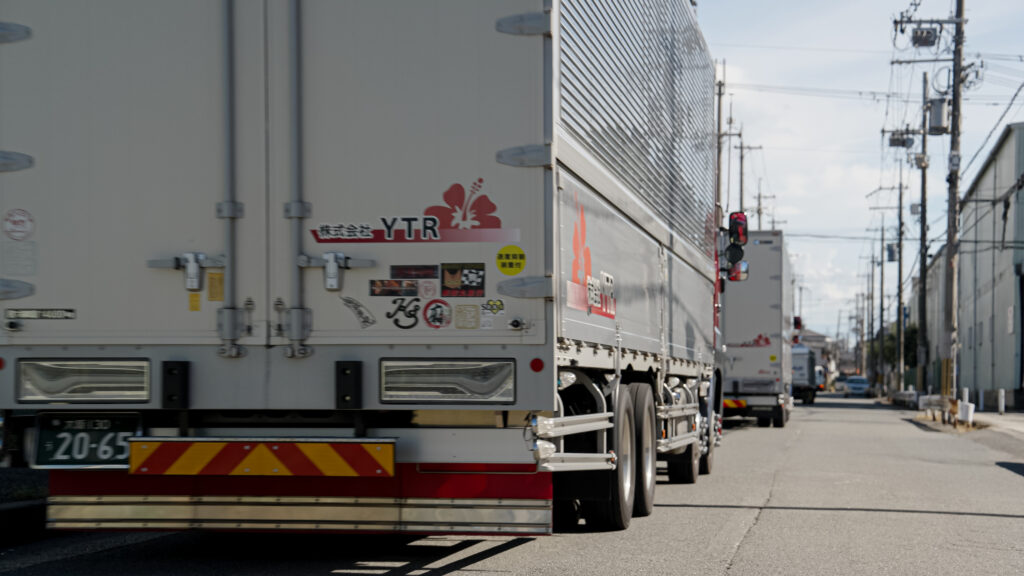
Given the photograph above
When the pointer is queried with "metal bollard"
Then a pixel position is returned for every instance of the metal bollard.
(1001, 399)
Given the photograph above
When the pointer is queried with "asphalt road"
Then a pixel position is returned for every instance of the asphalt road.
(848, 487)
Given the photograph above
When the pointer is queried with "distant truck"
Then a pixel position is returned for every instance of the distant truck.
(422, 267)
(805, 374)
(758, 329)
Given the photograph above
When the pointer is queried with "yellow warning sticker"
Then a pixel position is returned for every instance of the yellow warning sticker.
(193, 302)
(511, 260)
(215, 292)
(773, 358)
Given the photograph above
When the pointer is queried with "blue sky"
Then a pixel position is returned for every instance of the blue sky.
(793, 73)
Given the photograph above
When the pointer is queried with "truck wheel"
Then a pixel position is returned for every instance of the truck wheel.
(707, 461)
(646, 454)
(684, 468)
(814, 396)
(763, 422)
(615, 512)
(779, 420)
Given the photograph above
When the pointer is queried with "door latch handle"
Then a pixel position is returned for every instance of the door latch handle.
(333, 263)
(193, 272)
(192, 263)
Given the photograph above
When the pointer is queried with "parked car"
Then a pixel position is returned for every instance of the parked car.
(856, 385)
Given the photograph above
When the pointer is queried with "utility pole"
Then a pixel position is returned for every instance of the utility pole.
(859, 317)
(899, 291)
(870, 315)
(923, 36)
(743, 149)
(720, 90)
(922, 310)
(901, 139)
(774, 221)
(760, 197)
(881, 309)
(953, 220)
(881, 291)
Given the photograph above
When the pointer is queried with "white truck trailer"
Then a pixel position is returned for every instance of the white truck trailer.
(805, 374)
(758, 332)
(358, 265)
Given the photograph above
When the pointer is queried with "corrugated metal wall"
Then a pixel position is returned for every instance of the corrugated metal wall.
(988, 307)
(637, 89)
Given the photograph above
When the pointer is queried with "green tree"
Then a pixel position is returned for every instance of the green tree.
(909, 348)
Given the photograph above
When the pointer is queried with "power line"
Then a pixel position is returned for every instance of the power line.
(799, 48)
(1004, 57)
(852, 94)
(994, 127)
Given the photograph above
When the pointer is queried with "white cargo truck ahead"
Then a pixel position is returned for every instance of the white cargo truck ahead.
(361, 265)
(805, 374)
(758, 330)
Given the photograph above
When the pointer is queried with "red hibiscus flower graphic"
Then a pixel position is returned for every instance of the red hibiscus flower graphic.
(464, 211)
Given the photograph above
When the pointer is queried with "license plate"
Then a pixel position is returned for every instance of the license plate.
(76, 440)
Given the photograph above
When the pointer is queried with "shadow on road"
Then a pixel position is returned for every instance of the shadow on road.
(921, 425)
(829, 509)
(1015, 467)
(288, 554)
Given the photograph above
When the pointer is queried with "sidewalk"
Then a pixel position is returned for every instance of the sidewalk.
(1012, 422)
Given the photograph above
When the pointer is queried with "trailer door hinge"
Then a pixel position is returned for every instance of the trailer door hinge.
(298, 209)
(192, 263)
(231, 323)
(230, 210)
(298, 324)
(333, 263)
(529, 24)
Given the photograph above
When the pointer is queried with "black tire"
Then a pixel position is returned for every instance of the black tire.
(646, 453)
(763, 422)
(779, 420)
(814, 396)
(707, 461)
(684, 468)
(616, 512)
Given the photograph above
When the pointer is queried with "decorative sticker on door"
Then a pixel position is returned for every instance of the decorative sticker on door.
(462, 280)
(437, 314)
(394, 288)
(464, 217)
(594, 295)
(362, 313)
(511, 260)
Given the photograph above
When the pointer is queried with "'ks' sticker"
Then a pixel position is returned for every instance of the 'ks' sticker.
(406, 312)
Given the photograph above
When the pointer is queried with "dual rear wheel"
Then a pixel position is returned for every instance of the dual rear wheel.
(634, 439)
(634, 479)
